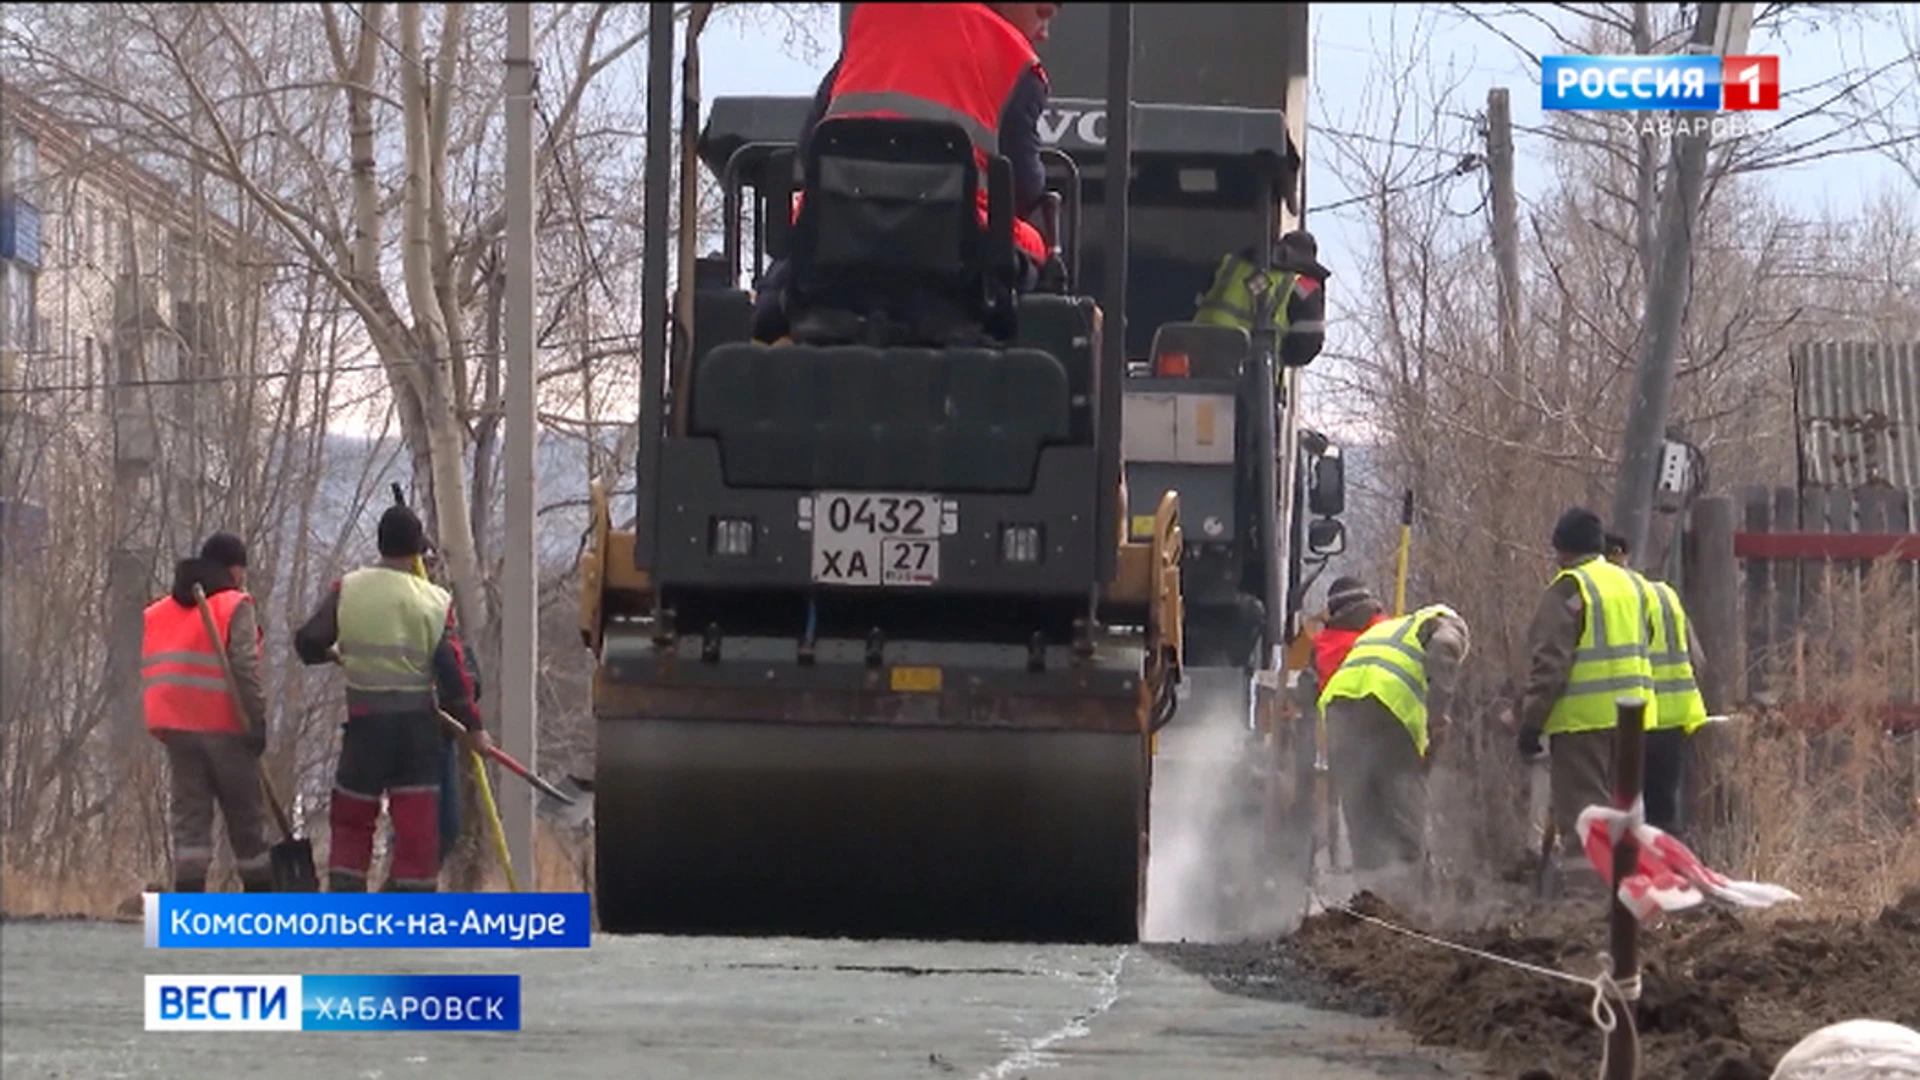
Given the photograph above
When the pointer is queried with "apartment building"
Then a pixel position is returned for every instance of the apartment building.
(115, 289)
(99, 252)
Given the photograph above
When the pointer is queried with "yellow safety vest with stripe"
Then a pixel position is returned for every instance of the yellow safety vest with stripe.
(389, 624)
(1674, 687)
(1229, 300)
(1388, 663)
(1611, 660)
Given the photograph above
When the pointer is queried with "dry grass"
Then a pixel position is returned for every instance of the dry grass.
(1815, 793)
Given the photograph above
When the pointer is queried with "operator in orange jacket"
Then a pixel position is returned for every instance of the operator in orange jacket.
(213, 740)
(972, 64)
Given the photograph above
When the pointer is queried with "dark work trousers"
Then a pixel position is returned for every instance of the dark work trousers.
(1666, 766)
(399, 755)
(1582, 770)
(449, 798)
(1382, 787)
(208, 770)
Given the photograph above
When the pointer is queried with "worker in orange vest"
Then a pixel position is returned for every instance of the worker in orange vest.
(972, 64)
(1351, 609)
(213, 740)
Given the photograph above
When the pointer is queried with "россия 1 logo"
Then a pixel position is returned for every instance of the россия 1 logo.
(1660, 83)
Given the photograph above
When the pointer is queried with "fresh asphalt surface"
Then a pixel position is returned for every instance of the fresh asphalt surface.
(706, 1008)
(70, 1004)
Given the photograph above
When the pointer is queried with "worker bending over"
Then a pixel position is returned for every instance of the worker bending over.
(1675, 655)
(972, 64)
(395, 637)
(1388, 698)
(213, 740)
(1299, 320)
(1587, 648)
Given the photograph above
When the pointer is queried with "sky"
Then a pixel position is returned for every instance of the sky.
(1356, 49)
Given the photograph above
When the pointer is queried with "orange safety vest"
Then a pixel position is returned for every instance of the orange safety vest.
(1331, 646)
(953, 62)
(182, 684)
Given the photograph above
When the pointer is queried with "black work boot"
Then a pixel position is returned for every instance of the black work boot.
(339, 882)
(251, 883)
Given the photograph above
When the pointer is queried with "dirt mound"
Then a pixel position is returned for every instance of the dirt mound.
(1722, 998)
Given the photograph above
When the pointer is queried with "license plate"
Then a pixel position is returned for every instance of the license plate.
(874, 539)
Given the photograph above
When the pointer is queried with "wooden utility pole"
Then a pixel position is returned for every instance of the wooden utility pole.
(1623, 930)
(1506, 235)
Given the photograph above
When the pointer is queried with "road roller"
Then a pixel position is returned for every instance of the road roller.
(903, 605)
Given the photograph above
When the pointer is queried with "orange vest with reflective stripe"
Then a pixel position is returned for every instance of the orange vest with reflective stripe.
(182, 683)
(957, 63)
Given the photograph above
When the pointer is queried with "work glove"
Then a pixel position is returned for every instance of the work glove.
(1531, 749)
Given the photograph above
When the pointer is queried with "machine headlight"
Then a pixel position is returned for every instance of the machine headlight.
(732, 536)
(1021, 543)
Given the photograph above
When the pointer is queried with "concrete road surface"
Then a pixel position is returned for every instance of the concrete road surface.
(713, 1009)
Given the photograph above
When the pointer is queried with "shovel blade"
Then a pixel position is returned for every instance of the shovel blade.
(293, 866)
(574, 808)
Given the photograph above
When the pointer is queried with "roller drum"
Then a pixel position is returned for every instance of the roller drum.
(870, 831)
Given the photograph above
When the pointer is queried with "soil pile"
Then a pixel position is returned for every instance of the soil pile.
(1722, 997)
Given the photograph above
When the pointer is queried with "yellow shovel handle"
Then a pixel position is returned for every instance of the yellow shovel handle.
(493, 818)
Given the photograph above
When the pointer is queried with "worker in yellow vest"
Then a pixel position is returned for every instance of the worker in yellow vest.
(1383, 707)
(1588, 647)
(397, 642)
(1675, 655)
(1299, 319)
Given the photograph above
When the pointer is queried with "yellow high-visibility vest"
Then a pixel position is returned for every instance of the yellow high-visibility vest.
(1611, 661)
(1674, 686)
(1388, 663)
(390, 623)
(1229, 302)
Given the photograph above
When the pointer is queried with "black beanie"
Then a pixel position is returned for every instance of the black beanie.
(224, 549)
(1579, 532)
(401, 535)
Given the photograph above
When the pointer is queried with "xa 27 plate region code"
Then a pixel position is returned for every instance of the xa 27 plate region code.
(871, 539)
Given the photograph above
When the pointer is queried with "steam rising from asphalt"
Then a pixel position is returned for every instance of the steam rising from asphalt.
(1211, 876)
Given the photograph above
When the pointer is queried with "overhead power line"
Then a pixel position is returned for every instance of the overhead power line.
(1469, 162)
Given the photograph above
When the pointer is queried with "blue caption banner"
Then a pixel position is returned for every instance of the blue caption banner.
(333, 1003)
(1618, 83)
(368, 920)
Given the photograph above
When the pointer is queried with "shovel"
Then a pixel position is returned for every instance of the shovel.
(575, 806)
(1540, 809)
(291, 859)
(507, 762)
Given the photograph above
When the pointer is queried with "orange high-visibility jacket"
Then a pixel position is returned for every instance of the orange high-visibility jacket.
(182, 683)
(957, 63)
(1331, 646)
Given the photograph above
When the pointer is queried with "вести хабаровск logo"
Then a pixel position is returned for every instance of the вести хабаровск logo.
(333, 1002)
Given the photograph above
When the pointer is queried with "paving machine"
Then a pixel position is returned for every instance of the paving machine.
(887, 649)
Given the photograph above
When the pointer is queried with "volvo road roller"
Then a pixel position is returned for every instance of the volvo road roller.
(887, 648)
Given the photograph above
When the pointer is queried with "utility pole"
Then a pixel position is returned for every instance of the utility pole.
(1667, 296)
(520, 594)
(1506, 234)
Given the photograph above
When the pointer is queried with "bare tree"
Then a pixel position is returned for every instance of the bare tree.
(1417, 359)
